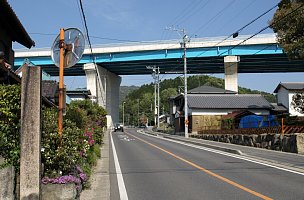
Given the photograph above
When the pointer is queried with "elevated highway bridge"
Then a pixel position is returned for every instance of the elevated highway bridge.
(260, 54)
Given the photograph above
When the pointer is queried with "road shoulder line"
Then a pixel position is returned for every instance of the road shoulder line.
(121, 184)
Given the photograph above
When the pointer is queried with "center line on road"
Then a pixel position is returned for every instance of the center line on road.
(205, 170)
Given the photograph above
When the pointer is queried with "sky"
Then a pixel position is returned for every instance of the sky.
(118, 21)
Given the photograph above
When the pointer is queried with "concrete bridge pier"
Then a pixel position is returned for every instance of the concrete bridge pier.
(231, 72)
(104, 87)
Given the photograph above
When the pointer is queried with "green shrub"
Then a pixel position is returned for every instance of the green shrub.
(77, 115)
(10, 113)
(60, 158)
(88, 115)
(80, 138)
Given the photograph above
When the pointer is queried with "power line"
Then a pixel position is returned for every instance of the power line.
(81, 19)
(91, 55)
(263, 29)
(215, 16)
(185, 10)
(235, 16)
(235, 34)
(181, 14)
(238, 31)
(194, 11)
(86, 28)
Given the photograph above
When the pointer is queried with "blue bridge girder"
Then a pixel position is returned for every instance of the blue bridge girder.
(132, 59)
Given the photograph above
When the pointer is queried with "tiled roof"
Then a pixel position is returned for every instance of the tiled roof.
(228, 101)
(290, 86)
(210, 90)
(279, 107)
(15, 29)
(8, 76)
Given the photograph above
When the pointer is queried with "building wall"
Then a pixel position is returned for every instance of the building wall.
(207, 119)
(283, 97)
(206, 122)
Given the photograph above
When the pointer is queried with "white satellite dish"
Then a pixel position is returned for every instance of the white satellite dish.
(74, 47)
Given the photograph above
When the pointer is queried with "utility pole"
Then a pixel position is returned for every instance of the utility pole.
(186, 39)
(123, 114)
(157, 97)
(138, 113)
(155, 75)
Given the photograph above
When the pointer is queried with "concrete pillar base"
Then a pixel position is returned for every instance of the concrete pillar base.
(104, 87)
(231, 72)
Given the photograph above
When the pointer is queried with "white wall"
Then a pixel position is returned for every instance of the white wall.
(285, 98)
(291, 110)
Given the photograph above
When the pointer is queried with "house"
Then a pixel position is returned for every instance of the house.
(285, 93)
(207, 105)
(11, 30)
(78, 94)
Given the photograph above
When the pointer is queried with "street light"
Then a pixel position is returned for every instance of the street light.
(123, 113)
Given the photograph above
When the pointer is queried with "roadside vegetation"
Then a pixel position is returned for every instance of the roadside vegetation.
(67, 161)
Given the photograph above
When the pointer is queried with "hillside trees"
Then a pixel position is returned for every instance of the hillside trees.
(140, 102)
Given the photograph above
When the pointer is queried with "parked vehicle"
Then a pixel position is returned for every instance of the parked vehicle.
(118, 127)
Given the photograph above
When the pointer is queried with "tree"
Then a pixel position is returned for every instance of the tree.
(165, 95)
(288, 23)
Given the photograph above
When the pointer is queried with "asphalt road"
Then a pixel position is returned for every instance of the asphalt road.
(153, 168)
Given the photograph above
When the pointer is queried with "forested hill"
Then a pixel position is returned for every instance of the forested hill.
(193, 82)
(142, 99)
(125, 90)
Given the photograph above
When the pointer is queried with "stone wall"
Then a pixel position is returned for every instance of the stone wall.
(289, 143)
(206, 122)
(59, 192)
(7, 183)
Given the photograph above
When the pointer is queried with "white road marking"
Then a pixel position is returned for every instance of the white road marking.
(227, 154)
(121, 184)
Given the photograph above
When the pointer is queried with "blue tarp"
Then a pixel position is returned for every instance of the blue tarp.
(257, 121)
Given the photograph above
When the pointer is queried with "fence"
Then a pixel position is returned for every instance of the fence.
(255, 131)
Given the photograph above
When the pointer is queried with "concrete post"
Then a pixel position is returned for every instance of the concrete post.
(30, 160)
(231, 72)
